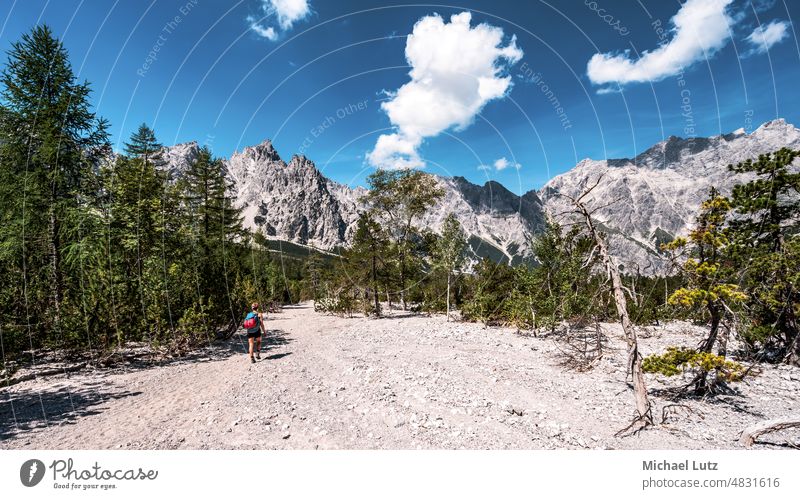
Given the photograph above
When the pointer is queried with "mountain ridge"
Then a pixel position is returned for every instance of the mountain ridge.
(657, 193)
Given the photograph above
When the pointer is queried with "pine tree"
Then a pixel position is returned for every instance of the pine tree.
(561, 286)
(364, 263)
(144, 145)
(710, 287)
(216, 222)
(136, 190)
(50, 142)
(763, 229)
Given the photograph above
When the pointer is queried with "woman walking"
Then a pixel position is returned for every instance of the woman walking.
(254, 325)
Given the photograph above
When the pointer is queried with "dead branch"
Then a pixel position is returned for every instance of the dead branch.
(750, 433)
(44, 373)
(672, 409)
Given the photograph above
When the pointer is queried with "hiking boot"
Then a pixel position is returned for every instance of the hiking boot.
(252, 360)
(258, 355)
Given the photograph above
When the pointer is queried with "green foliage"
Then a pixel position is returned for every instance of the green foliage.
(49, 143)
(678, 360)
(711, 290)
(448, 255)
(490, 285)
(764, 235)
(96, 252)
(396, 199)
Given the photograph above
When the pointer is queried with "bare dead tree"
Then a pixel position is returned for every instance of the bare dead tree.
(643, 417)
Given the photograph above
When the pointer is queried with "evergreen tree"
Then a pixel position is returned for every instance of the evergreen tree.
(136, 228)
(144, 145)
(216, 222)
(710, 288)
(561, 286)
(50, 142)
(763, 230)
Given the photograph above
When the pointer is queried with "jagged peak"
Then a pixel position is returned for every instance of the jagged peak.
(301, 160)
(191, 143)
(264, 150)
(779, 124)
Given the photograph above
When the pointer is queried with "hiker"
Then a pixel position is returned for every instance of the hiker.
(254, 324)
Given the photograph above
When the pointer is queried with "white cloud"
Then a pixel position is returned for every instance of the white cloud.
(456, 70)
(699, 29)
(502, 163)
(268, 32)
(285, 12)
(765, 36)
(614, 89)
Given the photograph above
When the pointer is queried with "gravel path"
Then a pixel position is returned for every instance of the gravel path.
(403, 382)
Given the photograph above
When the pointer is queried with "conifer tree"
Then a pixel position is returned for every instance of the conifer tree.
(364, 261)
(51, 140)
(136, 190)
(710, 287)
(764, 231)
(144, 145)
(217, 223)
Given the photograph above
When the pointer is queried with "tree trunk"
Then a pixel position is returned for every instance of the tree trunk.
(448, 297)
(55, 259)
(716, 317)
(793, 355)
(375, 287)
(644, 415)
(403, 281)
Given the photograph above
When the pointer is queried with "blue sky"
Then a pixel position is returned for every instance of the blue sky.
(505, 92)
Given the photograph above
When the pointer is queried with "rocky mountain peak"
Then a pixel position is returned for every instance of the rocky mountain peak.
(263, 152)
(179, 157)
(656, 194)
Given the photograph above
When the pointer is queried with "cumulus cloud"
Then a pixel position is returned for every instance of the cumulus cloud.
(285, 12)
(699, 29)
(456, 69)
(765, 36)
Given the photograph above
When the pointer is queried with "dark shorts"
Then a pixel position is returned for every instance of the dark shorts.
(254, 334)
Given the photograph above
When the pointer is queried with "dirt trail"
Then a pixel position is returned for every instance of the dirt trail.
(400, 382)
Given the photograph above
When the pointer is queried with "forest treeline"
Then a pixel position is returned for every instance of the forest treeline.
(99, 249)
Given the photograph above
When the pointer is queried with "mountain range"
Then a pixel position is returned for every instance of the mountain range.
(640, 202)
